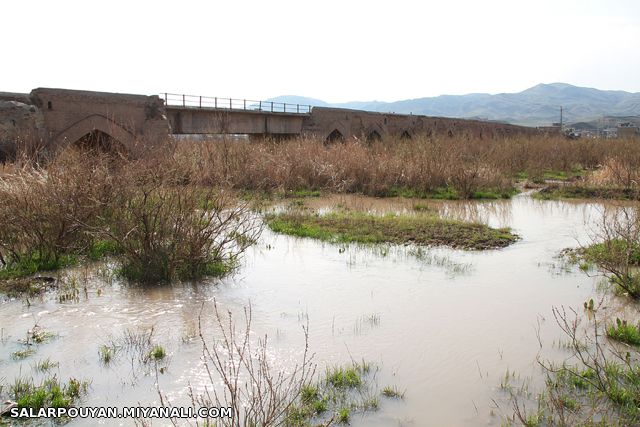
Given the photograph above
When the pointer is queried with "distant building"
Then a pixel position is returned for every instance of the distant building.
(627, 130)
(554, 128)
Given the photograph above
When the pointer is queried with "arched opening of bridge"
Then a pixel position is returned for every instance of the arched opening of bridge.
(405, 135)
(335, 136)
(96, 132)
(373, 136)
(99, 140)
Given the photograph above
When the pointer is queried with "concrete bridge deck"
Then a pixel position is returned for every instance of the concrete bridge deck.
(191, 114)
(63, 116)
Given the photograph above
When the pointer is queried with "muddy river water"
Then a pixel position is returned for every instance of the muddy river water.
(443, 325)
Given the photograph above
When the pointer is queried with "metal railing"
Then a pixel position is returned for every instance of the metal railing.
(196, 101)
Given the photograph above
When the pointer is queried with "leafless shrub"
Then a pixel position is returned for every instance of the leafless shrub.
(163, 225)
(242, 377)
(615, 248)
(167, 233)
(618, 171)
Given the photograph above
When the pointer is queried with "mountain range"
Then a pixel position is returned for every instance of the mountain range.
(536, 106)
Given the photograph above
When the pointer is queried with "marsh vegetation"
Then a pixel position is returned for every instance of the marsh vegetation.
(598, 383)
(179, 221)
(366, 228)
(440, 167)
(143, 212)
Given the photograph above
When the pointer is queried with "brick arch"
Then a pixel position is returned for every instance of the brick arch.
(336, 128)
(373, 136)
(373, 133)
(334, 135)
(406, 135)
(95, 122)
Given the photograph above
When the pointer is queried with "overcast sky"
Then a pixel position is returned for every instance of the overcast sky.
(332, 50)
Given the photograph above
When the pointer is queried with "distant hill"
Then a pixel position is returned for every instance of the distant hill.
(539, 105)
(303, 100)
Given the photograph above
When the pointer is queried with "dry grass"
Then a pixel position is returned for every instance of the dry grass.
(464, 167)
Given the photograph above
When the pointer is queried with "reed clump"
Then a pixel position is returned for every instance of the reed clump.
(461, 167)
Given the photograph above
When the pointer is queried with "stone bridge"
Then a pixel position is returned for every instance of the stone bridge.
(56, 117)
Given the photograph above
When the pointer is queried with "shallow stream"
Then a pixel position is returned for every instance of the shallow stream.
(443, 325)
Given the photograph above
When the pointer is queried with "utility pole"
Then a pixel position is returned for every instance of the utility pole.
(561, 118)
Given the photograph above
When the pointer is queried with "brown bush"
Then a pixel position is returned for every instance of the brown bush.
(44, 210)
(166, 228)
(423, 165)
(148, 211)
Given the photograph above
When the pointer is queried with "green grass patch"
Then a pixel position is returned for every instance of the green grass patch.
(102, 248)
(606, 387)
(392, 392)
(267, 195)
(563, 175)
(540, 177)
(302, 193)
(555, 175)
(344, 414)
(345, 377)
(442, 193)
(155, 270)
(209, 269)
(358, 227)
(34, 263)
(106, 353)
(157, 353)
(22, 354)
(446, 193)
(45, 365)
(340, 392)
(15, 281)
(619, 258)
(611, 251)
(421, 207)
(494, 194)
(624, 332)
(50, 394)
(309, 393)
(556, 192)
(39, 335)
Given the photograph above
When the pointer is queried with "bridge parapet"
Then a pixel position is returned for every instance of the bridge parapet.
(217, 103)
